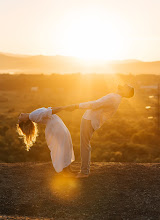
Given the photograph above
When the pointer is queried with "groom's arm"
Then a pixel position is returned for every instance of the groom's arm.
(87, 105)
(84, 105)
(96, 104)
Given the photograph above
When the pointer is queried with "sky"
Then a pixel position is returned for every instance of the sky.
(89, 29)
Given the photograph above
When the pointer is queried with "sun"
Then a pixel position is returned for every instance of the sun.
(92, 37)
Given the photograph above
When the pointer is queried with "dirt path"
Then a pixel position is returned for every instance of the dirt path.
(113, 191)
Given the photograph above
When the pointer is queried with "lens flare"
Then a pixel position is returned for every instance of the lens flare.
(65, 187)
(150, 117)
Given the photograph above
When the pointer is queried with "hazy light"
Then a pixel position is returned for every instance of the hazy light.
(87, 29)
(148, 107)
(95, 37)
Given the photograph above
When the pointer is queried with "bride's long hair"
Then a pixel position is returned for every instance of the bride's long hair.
(28, 131)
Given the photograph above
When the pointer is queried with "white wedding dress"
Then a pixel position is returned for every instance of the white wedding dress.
(57, 136)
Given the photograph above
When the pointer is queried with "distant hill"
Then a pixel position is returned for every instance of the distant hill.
(63, 64)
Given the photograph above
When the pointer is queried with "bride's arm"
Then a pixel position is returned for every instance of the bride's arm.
(71, 107)
(67, 108)
(57, 109)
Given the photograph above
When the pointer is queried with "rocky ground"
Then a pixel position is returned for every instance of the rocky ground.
(113, 191)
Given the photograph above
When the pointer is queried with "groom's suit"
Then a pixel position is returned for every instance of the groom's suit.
(98, 113)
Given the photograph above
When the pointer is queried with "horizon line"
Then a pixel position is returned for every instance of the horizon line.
(85, 59)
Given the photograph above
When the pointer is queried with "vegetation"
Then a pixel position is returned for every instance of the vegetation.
(129, 136)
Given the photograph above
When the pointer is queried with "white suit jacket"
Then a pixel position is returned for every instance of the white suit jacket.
(100, 110)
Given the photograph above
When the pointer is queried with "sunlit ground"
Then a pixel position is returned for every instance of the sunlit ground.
(65, 187)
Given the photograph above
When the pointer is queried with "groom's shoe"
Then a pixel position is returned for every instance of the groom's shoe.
(82, 175)
(68, 175)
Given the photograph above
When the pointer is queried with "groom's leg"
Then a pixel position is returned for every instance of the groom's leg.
(86, 133)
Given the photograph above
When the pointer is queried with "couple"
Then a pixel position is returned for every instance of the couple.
(57, 135)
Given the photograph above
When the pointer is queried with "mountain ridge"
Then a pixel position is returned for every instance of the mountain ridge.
(17, 63)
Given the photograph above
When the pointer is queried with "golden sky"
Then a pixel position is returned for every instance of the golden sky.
(90, 29)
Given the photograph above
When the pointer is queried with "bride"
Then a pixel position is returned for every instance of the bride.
(57, 135)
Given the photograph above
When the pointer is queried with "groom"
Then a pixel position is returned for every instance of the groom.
(98, 112)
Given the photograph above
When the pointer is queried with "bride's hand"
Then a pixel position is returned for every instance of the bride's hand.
(57, 109)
